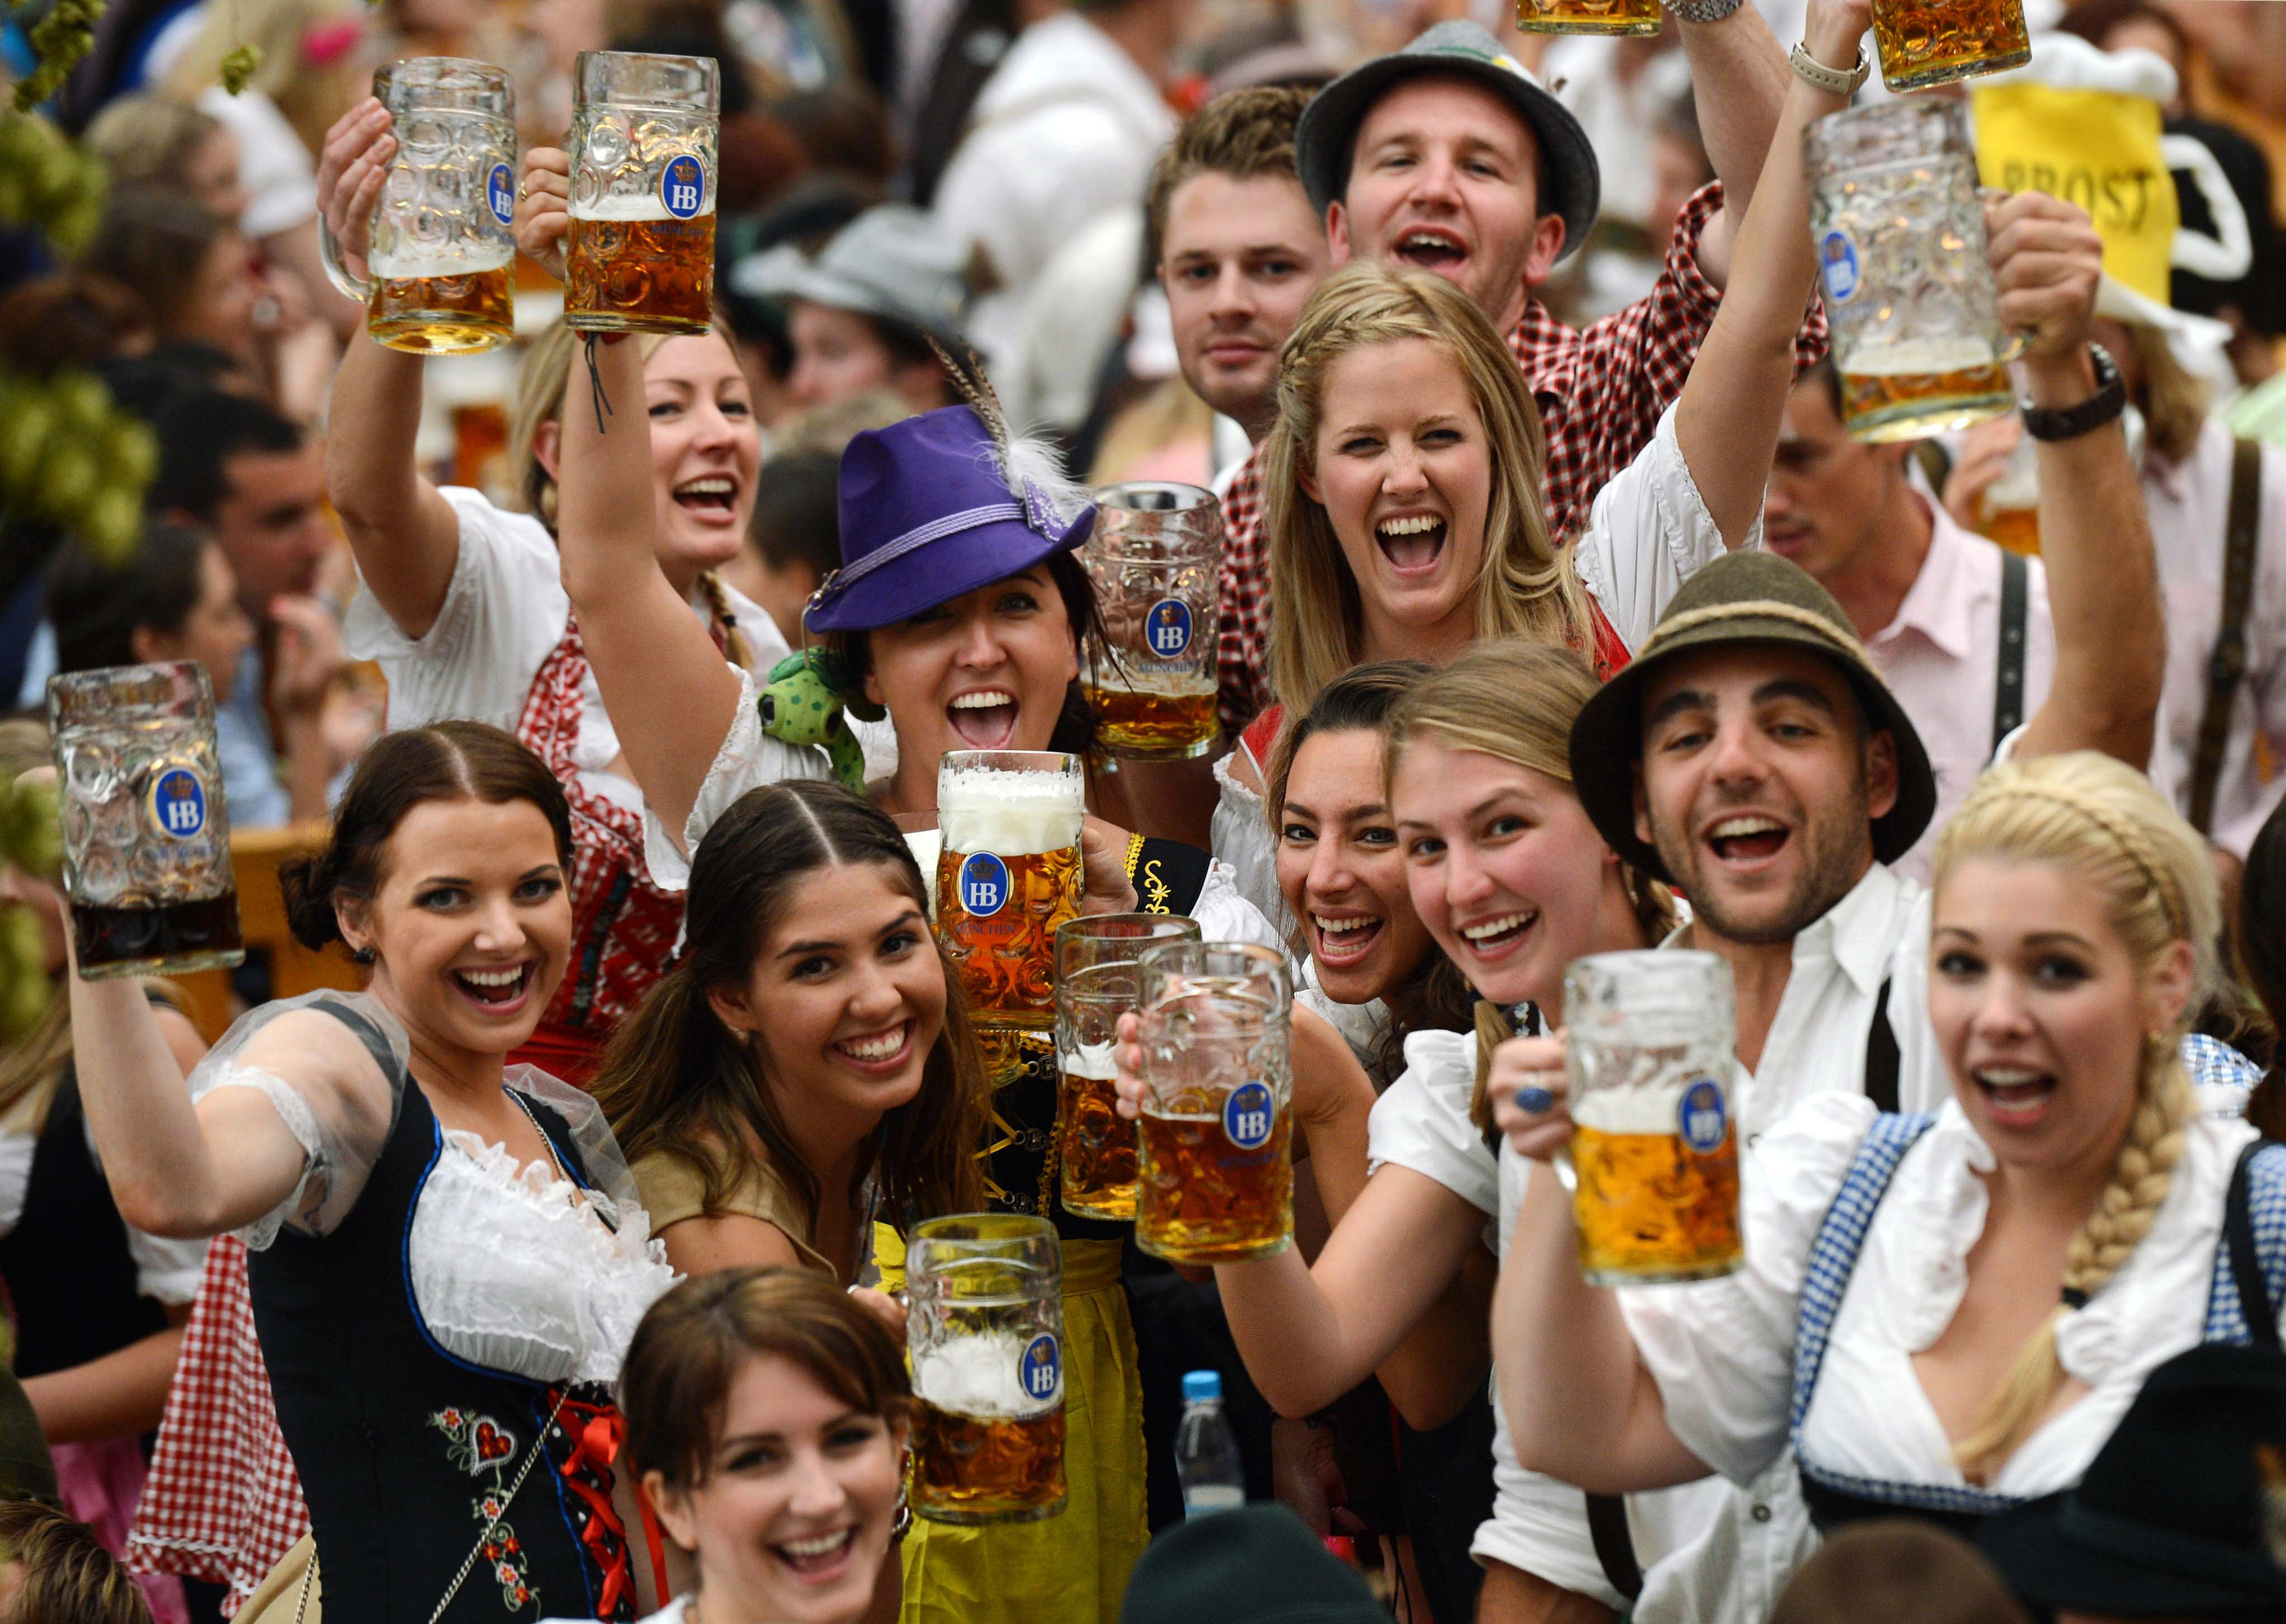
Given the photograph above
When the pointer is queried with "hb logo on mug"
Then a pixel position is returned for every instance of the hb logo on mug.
(983, 885)
(1168, 628)
(1246, 1116)
(1041, 1371)
(682, 186)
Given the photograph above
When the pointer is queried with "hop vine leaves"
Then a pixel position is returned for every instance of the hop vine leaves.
(239, 66)
(59, 41)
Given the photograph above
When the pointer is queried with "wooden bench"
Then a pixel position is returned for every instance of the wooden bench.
(255, 855)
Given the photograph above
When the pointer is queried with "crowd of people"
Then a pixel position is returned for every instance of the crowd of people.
(552, 1266)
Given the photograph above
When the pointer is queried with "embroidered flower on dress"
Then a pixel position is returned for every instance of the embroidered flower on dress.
(480, 1447)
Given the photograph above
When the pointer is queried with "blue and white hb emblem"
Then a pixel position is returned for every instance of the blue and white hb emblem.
(1703, 1122)
(1167, 629)
(499, 193)
(177, 802)
(682, 186)
(1837, 263)
(983, 885)
(1247, 1114)
(1042, 1370)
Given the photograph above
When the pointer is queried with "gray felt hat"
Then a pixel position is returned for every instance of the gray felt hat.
(893, 261)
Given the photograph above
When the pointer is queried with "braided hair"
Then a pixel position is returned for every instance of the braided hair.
(2104, 822)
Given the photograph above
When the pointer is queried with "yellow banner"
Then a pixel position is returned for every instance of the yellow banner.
(2095, 148)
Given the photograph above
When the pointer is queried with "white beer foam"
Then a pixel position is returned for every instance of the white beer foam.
(1091, 1060)
(1920, 355)
(978, 1375)
(1632, 1110)
(1010, 815)
(481, 258)
(635, 206)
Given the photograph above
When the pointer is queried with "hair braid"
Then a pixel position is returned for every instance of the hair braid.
(734, 640)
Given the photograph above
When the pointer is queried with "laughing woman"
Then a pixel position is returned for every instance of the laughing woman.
(449, 1256)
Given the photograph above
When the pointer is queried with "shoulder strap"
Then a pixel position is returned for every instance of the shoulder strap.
(376, 1044)
(2228, 664)
(1882, 1061)
(1834, 1255)
(2015, 602)
(1615, 1545)
(2250, 1217)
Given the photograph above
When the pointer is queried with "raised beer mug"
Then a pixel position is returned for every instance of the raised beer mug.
(1153, 555)
(1929, 42)
(639, 254)
(1099, 978)
(1650, 1049)
(1608, 17)
(1214, 1164)
(440, 277)
(1899, 233)
(984, 1328)
(1007, 875)
(146, 839)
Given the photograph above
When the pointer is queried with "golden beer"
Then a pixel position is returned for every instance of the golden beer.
(1096, 1146)
(1902, 402)
(1652, 1209)
(1148, 724)
(647, 274)
(1930, 42)
(977, 1469)
(1608, 17)
(1204, 1196)
(2017, 529)
(1100, 980)
(1005, 953)
(453, 314)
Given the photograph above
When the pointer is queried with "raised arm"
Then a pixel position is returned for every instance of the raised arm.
(2095, 536)
(405, 536)
(1738, 78)
(1727, 418)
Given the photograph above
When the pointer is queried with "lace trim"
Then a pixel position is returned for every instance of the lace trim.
(303, 1207)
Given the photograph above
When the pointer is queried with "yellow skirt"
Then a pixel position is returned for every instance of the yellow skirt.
(1071, 1568)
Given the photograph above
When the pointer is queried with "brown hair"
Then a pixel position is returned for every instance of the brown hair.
(1901, 1571)
(69, 1578)
(156, 240)
(1524, 584)
(2173, 398)
(1245, 134)
(73, 318)
(676, 1081)
(446, 760)
(693, 1342)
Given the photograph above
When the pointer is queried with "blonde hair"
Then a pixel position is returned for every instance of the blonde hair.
(147, 137)
(2174, 403)
(1524, 586)
(2116, 834)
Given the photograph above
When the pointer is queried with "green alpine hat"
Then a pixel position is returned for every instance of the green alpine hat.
(1257, 1565)
(1740, 600)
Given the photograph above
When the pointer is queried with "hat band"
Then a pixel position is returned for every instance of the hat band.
(889, 552)
(2180, 1556)
(1768, 609)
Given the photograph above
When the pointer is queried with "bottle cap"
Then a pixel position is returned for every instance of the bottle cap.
(1201, 1384)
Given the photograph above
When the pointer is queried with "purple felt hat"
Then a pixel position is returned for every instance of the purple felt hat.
(926, 515)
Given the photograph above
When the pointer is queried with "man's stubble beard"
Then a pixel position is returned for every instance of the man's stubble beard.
(1840, 852)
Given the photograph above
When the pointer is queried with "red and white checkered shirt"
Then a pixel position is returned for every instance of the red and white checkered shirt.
(1600, 394)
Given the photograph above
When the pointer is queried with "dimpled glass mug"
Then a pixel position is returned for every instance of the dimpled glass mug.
(1154, 556)
(1098, 978)
(640, 254)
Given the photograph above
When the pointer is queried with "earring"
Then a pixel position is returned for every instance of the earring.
(364, 955)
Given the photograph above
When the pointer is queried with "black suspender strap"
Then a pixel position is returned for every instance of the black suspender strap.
(2245, 1260)
(2228, 664)
(1615, 1547)
(1882, 1058)
(2008, 690)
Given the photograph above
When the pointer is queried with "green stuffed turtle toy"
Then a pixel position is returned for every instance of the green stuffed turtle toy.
(803, 704)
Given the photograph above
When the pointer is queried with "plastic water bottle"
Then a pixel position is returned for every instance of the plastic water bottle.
(1206, 1455)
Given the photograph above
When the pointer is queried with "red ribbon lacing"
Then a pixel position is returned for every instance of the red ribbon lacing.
(596, 1432)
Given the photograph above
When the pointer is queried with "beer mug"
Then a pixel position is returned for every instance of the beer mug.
(1928, 42)
(1654, 1153)
(1098, 980)
(985, 1327)
(1214, 1164)
(439, 264)
(1608, 17)
(1007, 875)
(639, 254)
(146, 840)
(1899, 233)
(1154, 557)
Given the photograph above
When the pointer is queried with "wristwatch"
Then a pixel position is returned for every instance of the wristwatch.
(1833, 81)
(1703, 10)
(2069, 422)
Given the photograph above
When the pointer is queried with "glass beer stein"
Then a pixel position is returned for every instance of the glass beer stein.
(440, 277)
(146, 840)
(1153, 556)
(1098, 980)
(1929, 42)
(984, 1327)
(639, 254)
(1654, 1154)
(1007, 875)
(1214, 1165)
(1610, 17)
(1899, 232)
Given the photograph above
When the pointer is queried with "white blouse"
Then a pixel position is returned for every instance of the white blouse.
(514, 1267)
(1723, 1351)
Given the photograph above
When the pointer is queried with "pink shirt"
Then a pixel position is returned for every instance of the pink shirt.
(1940, 657)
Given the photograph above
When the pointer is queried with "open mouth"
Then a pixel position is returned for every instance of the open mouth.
(1746, 837)
(822, 1557)
(2017, 1096)
(986, 719)
(712, 496)
(500, 990)
(878, 1050)
(1411, 542)
(1495, 937)
(1429, 248)
(1345, 940)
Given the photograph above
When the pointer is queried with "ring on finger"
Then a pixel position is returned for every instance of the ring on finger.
(1534, 1101)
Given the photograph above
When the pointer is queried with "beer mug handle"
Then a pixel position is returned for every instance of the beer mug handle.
(329, 253)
